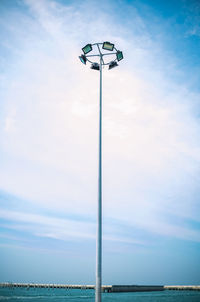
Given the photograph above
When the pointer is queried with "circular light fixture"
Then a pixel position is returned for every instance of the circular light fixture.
(117, 55)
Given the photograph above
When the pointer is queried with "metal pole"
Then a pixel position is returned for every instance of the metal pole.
(99, 209)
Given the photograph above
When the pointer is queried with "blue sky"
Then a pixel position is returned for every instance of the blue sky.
(49, 142)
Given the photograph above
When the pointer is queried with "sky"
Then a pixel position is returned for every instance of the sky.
(49, 142)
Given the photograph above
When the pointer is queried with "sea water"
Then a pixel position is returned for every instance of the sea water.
(86, 295)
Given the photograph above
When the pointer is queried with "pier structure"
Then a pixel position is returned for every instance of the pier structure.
(105, 288)
(43, 285)
(182, 287)
(135, 288)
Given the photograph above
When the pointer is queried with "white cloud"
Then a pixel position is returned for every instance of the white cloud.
(151, 134)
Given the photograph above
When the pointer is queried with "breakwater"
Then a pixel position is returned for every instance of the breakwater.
(105, 288)
(182, 287)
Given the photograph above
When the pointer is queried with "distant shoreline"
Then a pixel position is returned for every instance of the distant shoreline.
(105, 288)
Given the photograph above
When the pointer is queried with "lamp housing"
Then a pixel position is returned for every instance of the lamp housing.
(108, 46)
(112, 64)
(95, 66)
(87, 48)
(83, 59)
(119, 55)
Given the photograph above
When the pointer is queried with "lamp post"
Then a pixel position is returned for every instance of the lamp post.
(103, 50)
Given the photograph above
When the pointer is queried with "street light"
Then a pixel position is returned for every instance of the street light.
(108, 46)
(112, 64)
(119, 55)
(95, 66)
(83, 59)
(116, 56)
(87, 48)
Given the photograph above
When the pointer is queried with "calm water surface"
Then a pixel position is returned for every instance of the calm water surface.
(73, 295)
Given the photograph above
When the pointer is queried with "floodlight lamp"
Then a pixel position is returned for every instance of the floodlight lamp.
(108, 46)
(112, 64)
(95, 66)
(83, 59)
(87, 48)
(119, 55)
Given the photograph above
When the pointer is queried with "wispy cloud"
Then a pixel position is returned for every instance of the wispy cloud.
(50, 125)
(41, 225)
(68, 230)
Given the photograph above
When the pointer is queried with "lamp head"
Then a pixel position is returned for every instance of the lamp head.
(108, 46)
(87, 48)
(119, 55)
(112, 64)
(95, 66)
(83, 59)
